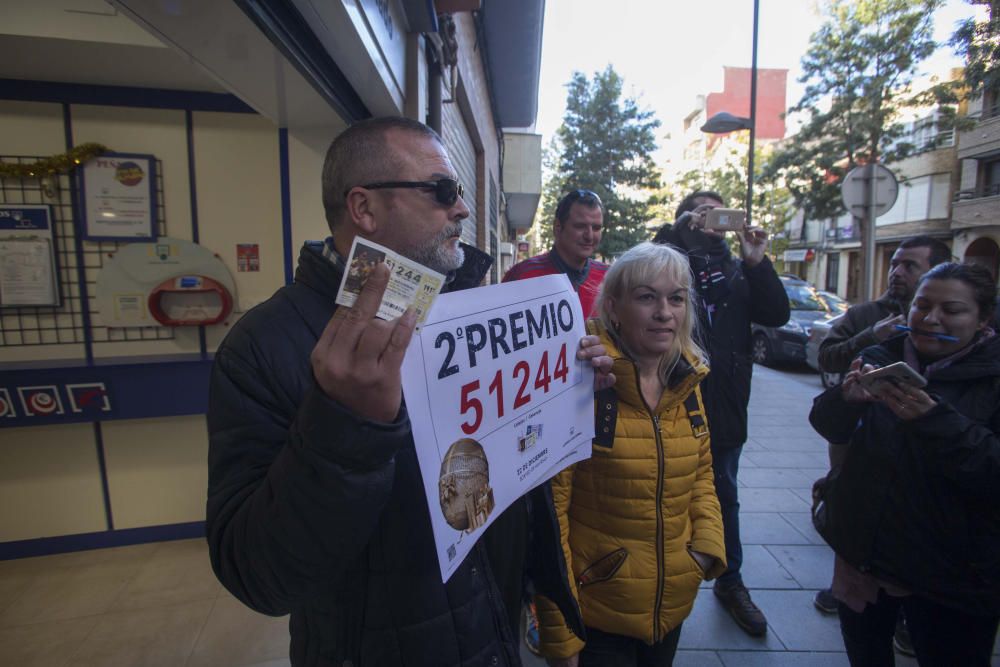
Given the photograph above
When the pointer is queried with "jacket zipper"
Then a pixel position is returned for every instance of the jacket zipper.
(659, 528)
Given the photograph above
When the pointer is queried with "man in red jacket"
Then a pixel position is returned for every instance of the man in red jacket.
(577, 231)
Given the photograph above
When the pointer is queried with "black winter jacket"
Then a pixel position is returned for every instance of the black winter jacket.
(756, 296)
(917, 502)
(852, 332)
(316, 512)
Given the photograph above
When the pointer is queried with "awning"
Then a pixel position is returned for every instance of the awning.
(513, 32)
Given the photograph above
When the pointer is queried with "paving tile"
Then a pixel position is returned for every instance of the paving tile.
(236, 635)
(761, 569)
(788, 459)
(773, 478)
(791, 443)
(784, 659)
(802, 521)
(768, 528)
(176, 572)
(797, 624)
(770, 500)
(44, 644)
(66, 592)
(711, 627)
(160, 637)
(696, 658)
(812, 566)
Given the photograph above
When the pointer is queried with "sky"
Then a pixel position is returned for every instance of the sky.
(670, 51)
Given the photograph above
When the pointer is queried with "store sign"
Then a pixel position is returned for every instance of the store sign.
(799, 255)
(388, 28)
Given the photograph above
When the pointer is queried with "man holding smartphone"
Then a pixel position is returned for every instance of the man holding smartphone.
(734, 293)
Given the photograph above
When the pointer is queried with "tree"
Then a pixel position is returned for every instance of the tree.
(979, 43)
(604, 144)
(859, 71)
(772, 203)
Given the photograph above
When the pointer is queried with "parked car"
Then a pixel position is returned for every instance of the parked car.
(834, 303)
(820, 330)
(788, 342)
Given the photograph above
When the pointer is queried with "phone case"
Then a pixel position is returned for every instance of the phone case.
(897, 372)
(728, 219)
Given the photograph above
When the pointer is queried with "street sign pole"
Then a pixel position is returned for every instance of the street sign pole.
(869, 229)
(868, 192)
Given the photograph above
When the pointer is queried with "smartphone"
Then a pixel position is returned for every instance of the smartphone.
(725, 219)
(899, 373)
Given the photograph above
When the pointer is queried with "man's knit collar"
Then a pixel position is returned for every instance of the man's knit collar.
(576, 276)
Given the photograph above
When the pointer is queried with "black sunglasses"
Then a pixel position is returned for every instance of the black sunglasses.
(446, 190)
(585, 197)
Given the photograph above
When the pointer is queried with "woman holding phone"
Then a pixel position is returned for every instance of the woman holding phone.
(913, 513)
(639, 521)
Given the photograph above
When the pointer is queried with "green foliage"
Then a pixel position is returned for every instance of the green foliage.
(858, 73)
(979, 43)
(772, 202)
(604, 144)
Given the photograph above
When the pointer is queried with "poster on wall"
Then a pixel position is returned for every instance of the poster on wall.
(498, 402)
(28, 275)
(119, 197)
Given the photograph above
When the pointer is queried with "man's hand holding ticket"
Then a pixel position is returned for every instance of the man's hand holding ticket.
(410, 284)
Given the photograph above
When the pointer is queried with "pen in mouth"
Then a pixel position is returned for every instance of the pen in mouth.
(921, 332)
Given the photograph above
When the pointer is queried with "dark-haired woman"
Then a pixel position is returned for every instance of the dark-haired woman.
(914, 512)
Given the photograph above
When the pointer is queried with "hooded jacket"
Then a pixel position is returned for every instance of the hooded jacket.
(755, 295)
(917, 503)
(629, 515)
(317, 512)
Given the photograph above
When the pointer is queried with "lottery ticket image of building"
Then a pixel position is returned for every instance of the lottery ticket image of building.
(364, 262)
(464, 486)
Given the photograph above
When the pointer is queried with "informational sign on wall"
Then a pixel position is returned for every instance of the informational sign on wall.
(119, 196)
(497, 402)
(247, 257)
(28, 275)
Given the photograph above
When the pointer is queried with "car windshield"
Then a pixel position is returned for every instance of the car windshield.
(803, 297)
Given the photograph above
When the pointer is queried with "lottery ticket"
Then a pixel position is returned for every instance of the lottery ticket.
(410, 284)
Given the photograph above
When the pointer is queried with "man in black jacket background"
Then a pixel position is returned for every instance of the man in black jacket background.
(315, 503)
(734, 292)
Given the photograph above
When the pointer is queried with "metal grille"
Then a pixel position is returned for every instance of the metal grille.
(56, 325)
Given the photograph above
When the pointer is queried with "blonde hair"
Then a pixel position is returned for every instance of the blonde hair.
(641, 265)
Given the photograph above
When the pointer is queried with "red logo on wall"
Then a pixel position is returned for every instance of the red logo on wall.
(247, 257)
(92, 397)
(40, 401)
(6, 405)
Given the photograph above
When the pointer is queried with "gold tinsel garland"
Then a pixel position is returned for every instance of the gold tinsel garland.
(56, 164)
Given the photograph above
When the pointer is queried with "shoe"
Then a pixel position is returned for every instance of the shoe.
(736, 599)
(901, 639)
(825, 602)
(531, 628)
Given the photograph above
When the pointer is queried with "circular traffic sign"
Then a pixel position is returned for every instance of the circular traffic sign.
(853, 191)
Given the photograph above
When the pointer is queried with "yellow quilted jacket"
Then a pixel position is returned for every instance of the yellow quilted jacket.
(630, 513)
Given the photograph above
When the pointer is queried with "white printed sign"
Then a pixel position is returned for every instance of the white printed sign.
(497, 401)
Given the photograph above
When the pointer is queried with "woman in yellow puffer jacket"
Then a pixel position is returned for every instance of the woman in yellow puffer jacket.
(639, 521)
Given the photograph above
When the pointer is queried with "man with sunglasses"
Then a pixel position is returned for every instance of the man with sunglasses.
(577, 234)
(315, 503)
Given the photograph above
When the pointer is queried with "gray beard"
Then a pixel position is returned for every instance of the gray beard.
(435, 256)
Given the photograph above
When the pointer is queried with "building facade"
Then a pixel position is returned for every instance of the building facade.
(230, 106)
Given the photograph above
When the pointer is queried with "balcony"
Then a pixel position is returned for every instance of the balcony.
(983, 139)
(976, 208)
(522, 178)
